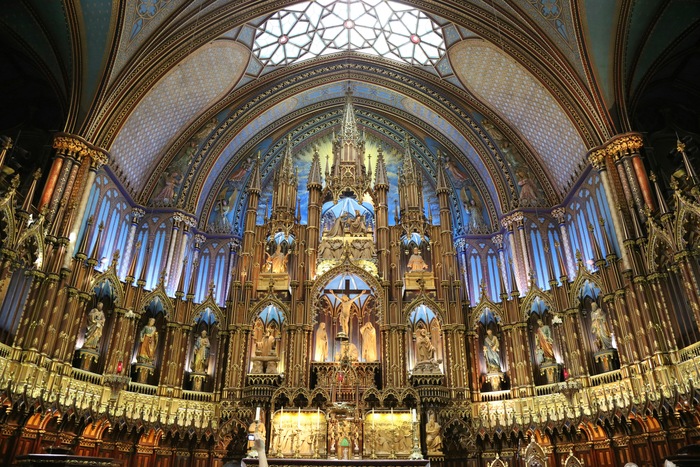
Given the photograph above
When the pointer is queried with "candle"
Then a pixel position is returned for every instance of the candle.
(413, 415)
(373, 419)
(299, 418)
(257, 414)
(318, 418)
(392, 416)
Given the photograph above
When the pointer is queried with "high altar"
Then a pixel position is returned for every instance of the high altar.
(350, 366)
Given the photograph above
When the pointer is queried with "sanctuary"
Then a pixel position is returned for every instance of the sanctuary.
(370, 233)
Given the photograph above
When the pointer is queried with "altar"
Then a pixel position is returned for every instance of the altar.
(339, 462)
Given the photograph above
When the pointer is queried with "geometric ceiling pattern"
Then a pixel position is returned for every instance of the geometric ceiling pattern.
(176, 100)
(518, 98)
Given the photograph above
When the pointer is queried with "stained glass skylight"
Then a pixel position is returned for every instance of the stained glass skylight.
(378, 27)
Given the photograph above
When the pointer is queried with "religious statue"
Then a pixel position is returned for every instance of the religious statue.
(369, 342)
(492, 354)
(425, 351)
(338, 228)
(348, 351)
(258, 334)
(202, 348)
(148, 341)
(544, 343)
(321, 343)
(599, 328)
(416, 262)
(344, 315)
(357, 225)
(268, 347)
(95, 323)
(433, 436)
(277, 262)
(330, 249)
(476, 218)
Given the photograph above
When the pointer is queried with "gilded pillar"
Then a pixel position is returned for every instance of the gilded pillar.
(597, 159)
(97, 159)
(136, 215)
(236, 364)
(622, 147)
(121, 342)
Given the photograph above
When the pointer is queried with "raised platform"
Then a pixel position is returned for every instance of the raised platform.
(339, 462)
(60, 460)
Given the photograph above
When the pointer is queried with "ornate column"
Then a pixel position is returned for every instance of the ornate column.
(520, 370)
(237, 364)
(597, 159)
(65, 145)
(121, 344)
(560, 215)
(98, 158)
(176, 267)
(622, 147)
(136, 215)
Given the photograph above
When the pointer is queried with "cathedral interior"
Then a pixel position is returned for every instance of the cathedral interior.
(464, 232)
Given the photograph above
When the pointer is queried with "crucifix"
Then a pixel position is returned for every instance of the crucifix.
(345, 306)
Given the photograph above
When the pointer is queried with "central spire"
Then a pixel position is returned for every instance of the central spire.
(348, 128)
(348, 174)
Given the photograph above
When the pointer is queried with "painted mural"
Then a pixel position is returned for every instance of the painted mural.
(530, 192)
(169, 187)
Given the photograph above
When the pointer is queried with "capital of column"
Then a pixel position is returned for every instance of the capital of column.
(498, 240)
(596, 157)
(621, 145)
(559, 214)
(136, 214)
(78, 147)
(98, 157)
(198, 240)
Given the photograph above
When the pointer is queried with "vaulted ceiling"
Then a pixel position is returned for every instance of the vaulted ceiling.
(191, 90)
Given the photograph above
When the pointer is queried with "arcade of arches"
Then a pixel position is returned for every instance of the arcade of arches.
(460, 231)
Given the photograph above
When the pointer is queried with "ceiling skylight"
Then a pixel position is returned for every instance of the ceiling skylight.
(321, 27)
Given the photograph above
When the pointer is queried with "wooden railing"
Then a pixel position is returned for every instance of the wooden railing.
(142, 388)
(494, 396)
(605, 378)
(88, 377)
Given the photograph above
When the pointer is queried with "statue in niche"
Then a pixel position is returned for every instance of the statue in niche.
(268, 345)
(599, 328)
(344, 315)
(492, 354)
(433, 435)
(148, 342)
(95, 324)
(321, 343)
(544, 347)
(416, 263)
(528, 189)
(258, 334)
(202, 347)
(338, 228)
(369, 342)
(277, 262)
(425, 351)
(357, 225)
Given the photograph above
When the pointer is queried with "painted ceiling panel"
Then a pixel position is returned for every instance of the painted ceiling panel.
(667, 28)
(600, 17)
(141, 19)
(517, 96)
(97, 16)
(24, 24)
(174, 101)
(53, 17)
